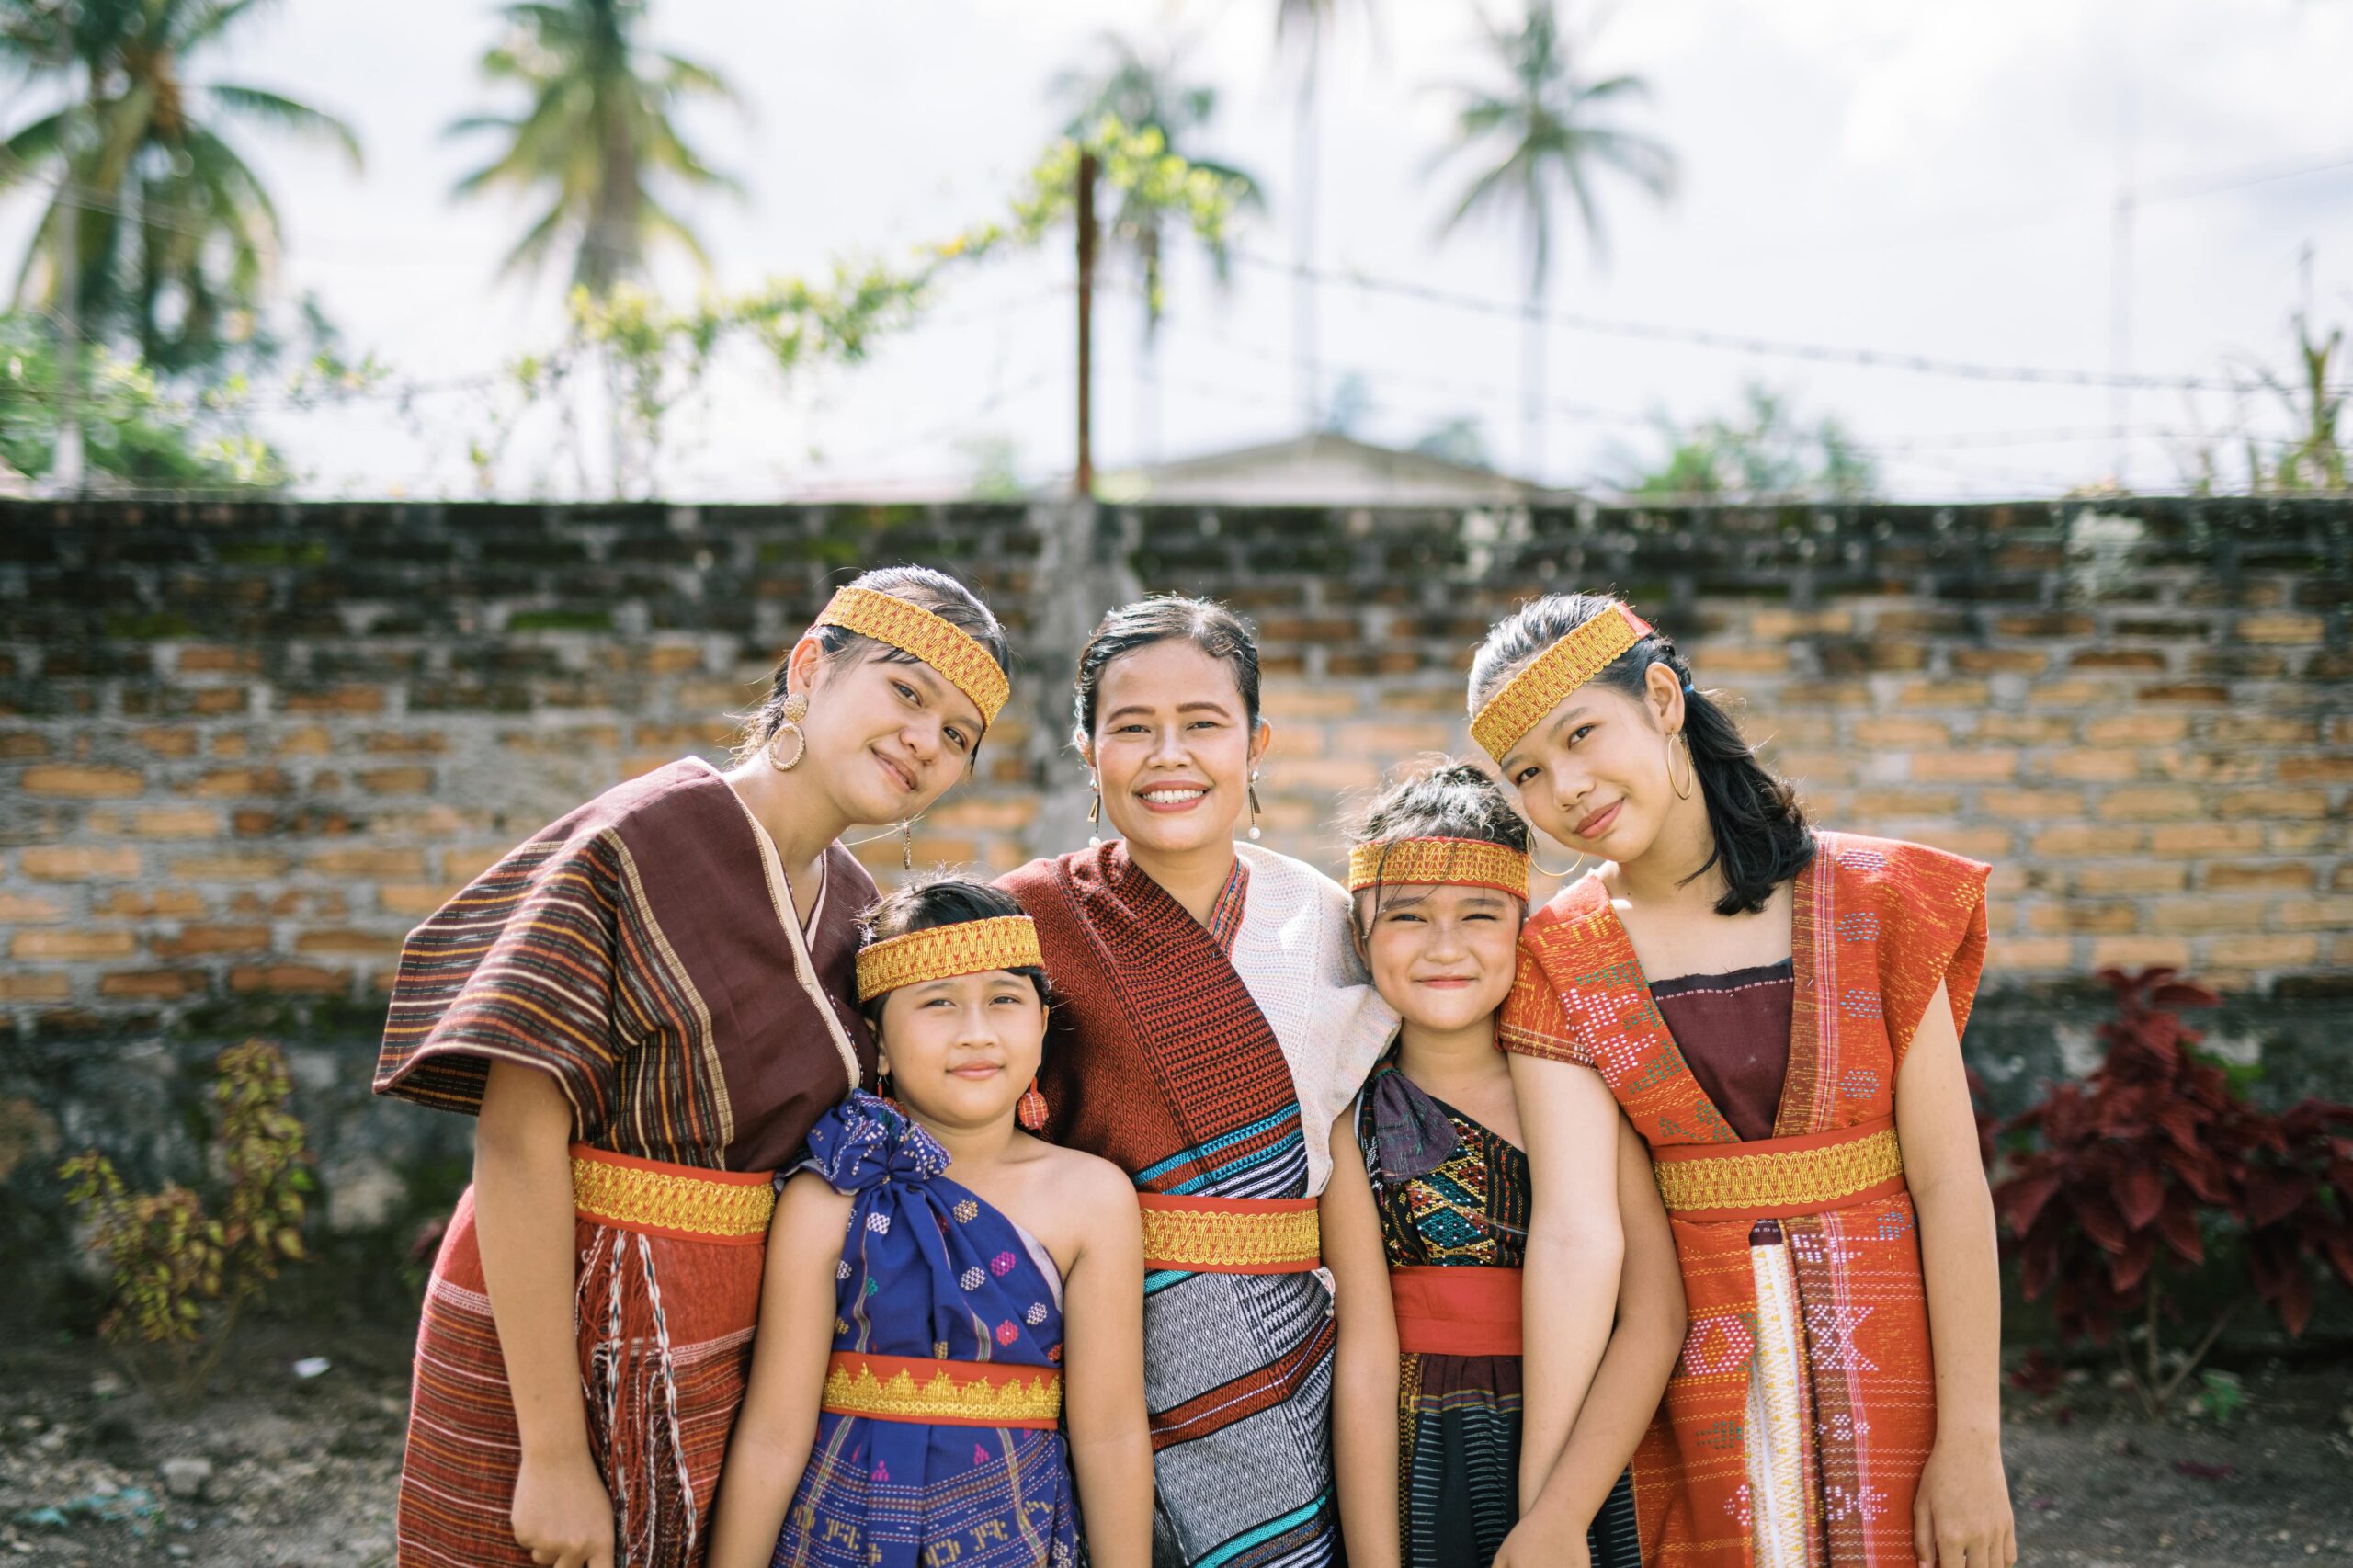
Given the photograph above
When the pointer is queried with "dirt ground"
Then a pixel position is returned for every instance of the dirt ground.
(295, 1470)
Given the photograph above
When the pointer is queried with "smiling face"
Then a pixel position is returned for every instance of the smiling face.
(1173, 748)
(886, 737)
(959, 1051)
(1440, 953)
(1593, 773)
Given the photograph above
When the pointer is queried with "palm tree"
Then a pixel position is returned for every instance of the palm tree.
(1309, 27)
(172, 236)
(1141, 87)
(1539, 133)
(595, 136)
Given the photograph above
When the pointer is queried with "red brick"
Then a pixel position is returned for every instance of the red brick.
(2272, 803)
(144, 903)
(2023, 728)
(80, 782)
(342, 699)
(2117, 659)
(1892, 734)
(1990, 844)
(77, 943)
(198, 658)
(193, 940)
(2030, 806)
(2153, 802)
(1999, 661)
(223, 783)
(298, 979)
(2283, 874)
(2094, 766)
(366, 944)
(2264, 953)
(2194, 914)
(16, 744)
(1879, 804)
(307, 741)
(361, 862)
(2281, 627)
(2137, 729)
(231, 746)
(2207, 838)
(152, 984)
(176, 822)
(2056, 916)
(410, 743)
(2076, 839)
(168, 742)
(2316, 770)
(2262, 729)
(28, 985)
(2011, 955)
(417, 900)
(2300, 915)
(221, 700)
(2129, 877)
(2068, 694)
(243, 867)
(23, 909)
(1384, 743)
(80, 863)
(2140, 953)
(1331, 777)
(1943, 694)
(397, 781)
(1966, 766)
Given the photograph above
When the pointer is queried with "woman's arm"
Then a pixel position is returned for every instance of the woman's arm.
(1364, 1377)
(786, 1388)
(523, 1223)
(1633, 1375)
(1574, 1246)
(1962, 1511)
(1110, 1442)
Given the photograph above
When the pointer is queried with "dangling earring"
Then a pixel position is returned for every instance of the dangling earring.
(882, 1082)
(796, 707)
(1690, 766)
(1094, 812)
(906, 845)
(1030, 1109)
(1556, 876)
(1254, 805)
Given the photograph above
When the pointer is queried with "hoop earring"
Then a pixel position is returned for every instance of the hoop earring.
(796, 707)
(1556, 876)
(1690, 766)
(1094, 812)
(1254, 805)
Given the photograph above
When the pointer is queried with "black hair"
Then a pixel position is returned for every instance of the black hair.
(1205, 623)
(1440, 799)
(937, 592)
(935, 901)
(1760, 832)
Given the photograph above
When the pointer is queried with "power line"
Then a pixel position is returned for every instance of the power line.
(1740, 342)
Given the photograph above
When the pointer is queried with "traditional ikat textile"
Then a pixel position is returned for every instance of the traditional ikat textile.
(1203, 1075)
(1451, 1194)
(929, 1270)
(1797, 1422)
(640, 951)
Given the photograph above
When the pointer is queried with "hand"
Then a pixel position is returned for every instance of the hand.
(1961, 1518)
(1538, 1542)
(561, 1515)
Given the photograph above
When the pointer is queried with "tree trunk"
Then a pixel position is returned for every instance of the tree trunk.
(1083, 476)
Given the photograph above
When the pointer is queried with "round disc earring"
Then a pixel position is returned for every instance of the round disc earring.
(796, 707)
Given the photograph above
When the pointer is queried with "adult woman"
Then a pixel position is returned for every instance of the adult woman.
(1213, 1021)
(648, 1004)
(1779, 1010)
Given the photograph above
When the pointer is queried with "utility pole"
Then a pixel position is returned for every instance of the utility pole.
(65, 475)
(1082, 478)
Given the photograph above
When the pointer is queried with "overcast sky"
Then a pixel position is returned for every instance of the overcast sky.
(1936, 179)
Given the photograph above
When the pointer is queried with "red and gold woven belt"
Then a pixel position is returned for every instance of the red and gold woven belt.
(1776, 1178)
(1231, 1235)
(731, 1208)
(943, 1393)
(1459, 1311)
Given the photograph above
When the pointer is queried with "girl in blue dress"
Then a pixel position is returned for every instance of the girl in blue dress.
(948, 1367)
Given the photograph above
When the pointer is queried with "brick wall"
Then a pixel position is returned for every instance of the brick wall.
(242, 748)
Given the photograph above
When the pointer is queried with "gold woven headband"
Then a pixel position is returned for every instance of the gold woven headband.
(911, 629)
(969, 946)
(1467, 862)
(1536, 689)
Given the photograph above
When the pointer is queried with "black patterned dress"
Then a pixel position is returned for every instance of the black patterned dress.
(1451, 1194)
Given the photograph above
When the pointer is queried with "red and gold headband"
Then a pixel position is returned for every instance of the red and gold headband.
(1522, 701)
(1467, 862)
(911, 629)
(968, 946)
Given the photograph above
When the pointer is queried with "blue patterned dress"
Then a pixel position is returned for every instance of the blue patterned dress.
(929, 1270)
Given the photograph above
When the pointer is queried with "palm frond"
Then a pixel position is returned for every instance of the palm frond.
(277, 109)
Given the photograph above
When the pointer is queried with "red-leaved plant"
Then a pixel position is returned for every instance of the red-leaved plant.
(2123, 1181)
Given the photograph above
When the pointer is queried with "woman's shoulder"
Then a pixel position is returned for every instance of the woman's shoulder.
(1897, 868)
(1284, 877)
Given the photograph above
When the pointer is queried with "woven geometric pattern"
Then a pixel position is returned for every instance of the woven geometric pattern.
(911, 629)
(1464, 862)
(969, 946)
(1806, 1180)
(709, 1205)
(1523, 701)
(942, 1393)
